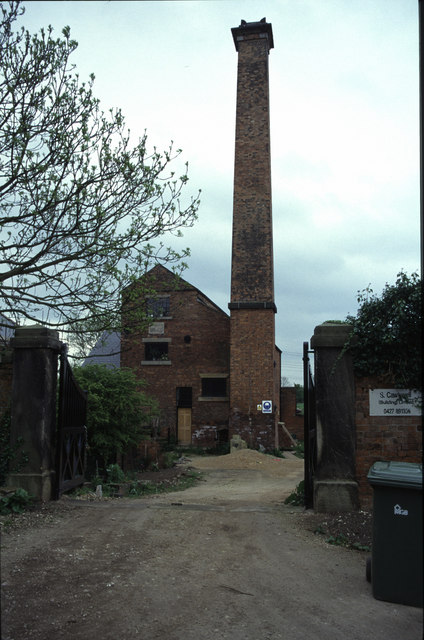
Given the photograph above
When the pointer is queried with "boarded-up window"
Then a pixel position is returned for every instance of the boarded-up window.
(214, 387)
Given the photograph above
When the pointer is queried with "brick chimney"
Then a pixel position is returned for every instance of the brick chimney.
(255, 361)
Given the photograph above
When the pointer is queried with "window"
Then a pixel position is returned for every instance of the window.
(158, 307)
(156, 351)
(214, 387)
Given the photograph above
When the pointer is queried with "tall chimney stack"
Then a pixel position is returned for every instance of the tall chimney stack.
(254, 360)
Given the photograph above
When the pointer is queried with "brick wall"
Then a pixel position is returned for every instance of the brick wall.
(381, 437)
(254, 368)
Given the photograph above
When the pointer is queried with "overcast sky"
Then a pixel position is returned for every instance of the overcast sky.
(344, 134)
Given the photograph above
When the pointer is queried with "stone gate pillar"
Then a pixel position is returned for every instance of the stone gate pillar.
(33, 407)
(335, 488)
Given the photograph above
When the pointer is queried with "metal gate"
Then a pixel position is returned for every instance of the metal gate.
(310, 430)
(72, 430)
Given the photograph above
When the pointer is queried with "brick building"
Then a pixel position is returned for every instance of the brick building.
(216, 375)
(183, 356)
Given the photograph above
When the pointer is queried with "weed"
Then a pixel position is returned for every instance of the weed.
(142, 488)
(277, 453)
(299, 449)
(145, 487)
(342, 541)
(339, 540)
(297, 498)
(360, 547)
(320, 530)
(169, 459)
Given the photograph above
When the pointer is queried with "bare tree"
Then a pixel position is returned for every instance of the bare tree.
(79, 206)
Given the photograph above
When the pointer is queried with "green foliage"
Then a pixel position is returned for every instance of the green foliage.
(300, 393)
(145, 487)
(115, 475)
(79, 206)
(15, 502)
(117, 410)
(277, 453)
(299, 449)
(387, 333)
(133, 486)
(297, 498)
(340, 540)
(169, 458)
(12, 459)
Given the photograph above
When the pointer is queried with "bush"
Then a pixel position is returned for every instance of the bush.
(115, 475)
(15, 502)
(117, 410)
(386, 333)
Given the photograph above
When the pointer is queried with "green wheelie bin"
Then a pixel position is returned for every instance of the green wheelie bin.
(396, 570)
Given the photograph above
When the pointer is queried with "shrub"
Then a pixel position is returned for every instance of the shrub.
(117, 410)
(15, 502)
(386, 333)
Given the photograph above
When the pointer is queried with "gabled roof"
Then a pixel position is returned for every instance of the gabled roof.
(107, 351)
(7, 329)
(163, 280)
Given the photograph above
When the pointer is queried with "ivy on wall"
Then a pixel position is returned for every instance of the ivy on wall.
(387, 333)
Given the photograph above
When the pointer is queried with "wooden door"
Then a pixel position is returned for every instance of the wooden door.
(184, 426)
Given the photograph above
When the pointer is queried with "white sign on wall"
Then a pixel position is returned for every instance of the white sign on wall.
(266, 406)
(157, 329)
(395, 402)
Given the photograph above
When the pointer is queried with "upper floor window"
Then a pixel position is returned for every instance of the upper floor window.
(156, 351)
(158, 307)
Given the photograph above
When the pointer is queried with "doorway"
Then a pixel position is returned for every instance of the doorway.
(184, 408)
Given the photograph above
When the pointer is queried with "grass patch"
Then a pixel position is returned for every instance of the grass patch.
(146, 487)
(133, 487)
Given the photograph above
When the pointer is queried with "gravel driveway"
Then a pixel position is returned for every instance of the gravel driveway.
(224, 559)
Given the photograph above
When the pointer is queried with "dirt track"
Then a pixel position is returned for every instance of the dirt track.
(224, 559)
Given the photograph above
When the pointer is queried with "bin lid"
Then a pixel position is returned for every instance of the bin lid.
(396, 474)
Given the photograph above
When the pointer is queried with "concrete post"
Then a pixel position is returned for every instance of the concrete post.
(335, 488)
(33, 408)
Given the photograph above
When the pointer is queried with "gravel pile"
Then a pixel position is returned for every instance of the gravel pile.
(249, 459)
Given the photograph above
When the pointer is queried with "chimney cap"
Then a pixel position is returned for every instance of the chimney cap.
(262, 28)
